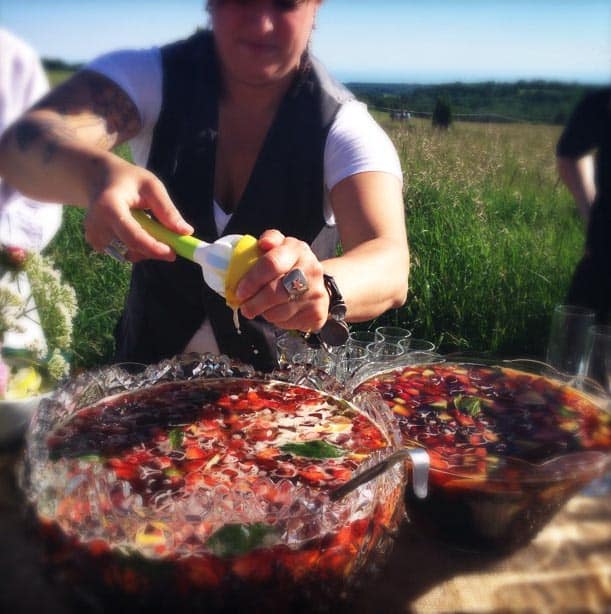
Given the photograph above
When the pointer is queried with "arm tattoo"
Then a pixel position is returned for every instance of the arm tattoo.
(111, 103)
(49, 152)
(26, 133)
(90, 107)
(95, 100)
(48, 133)
(93, 104)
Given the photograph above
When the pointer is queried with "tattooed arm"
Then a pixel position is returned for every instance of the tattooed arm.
(60, 151)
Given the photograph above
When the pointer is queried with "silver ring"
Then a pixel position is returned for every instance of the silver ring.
(116, 249)
(295, 284)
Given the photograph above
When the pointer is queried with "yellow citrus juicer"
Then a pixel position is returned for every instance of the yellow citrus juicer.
(223, 262)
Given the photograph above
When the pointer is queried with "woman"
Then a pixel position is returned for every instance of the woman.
(248, 134)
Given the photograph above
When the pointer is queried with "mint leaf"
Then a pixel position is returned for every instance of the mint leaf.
(176, 437)
(566, 412)
(235, 539)
(313, 449)
(91, 458)
(468, 405)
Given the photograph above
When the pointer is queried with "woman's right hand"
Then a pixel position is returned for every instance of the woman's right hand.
(121, 188)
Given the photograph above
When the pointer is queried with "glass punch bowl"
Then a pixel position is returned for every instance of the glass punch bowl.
(137, 508)
(510, 441)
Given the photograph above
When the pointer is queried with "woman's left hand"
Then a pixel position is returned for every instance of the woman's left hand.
(262, 292)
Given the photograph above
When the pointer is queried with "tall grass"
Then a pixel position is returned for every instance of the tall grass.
(100, 283)
(494, 239)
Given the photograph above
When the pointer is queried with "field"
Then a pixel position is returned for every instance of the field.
(494, 238)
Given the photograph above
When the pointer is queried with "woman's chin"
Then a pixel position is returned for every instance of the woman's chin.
(263, 74)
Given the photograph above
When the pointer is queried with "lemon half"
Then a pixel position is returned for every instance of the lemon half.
(25, 383)
(244, 255)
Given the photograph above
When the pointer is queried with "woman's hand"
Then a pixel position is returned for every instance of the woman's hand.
(123, 187)
(262, 292)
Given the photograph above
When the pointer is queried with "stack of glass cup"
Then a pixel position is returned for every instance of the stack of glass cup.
(384, 346)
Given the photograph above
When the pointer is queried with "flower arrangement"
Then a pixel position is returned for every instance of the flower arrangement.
(39, 366)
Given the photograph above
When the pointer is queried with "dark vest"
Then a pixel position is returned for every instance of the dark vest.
(167, 302)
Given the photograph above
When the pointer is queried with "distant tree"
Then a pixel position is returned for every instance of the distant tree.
(442, 114)
(520, 100)
(57, 64)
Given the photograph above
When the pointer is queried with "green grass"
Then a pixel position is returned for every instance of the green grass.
(57, 76)
(100, 283)
(494, 239)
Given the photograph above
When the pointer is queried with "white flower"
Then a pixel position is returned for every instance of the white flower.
(57, 366)
(12, 307)
(56, 305)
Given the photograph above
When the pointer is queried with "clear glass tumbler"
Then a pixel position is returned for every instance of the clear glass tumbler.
(567, 338)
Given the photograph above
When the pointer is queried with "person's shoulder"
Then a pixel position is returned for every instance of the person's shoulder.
(601, 92)
(339, 92)
(128, 65)
(599, 97)
(126, 55)
(138, 73)
(354, 117)
(356, 143)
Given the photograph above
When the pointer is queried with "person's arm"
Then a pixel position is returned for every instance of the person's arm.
(60, 151)
(372, 273)
(575, 148)
(578, 176)
(373, 270)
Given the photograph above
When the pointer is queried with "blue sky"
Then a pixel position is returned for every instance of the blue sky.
(368, 40)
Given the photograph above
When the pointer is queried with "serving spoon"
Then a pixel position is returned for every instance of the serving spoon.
(420, 472)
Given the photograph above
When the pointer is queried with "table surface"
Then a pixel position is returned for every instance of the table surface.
(567, 567)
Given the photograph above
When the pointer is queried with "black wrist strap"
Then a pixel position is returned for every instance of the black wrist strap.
(337, 306)
(335, 331)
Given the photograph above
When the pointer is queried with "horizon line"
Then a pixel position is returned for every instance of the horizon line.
(425, 81)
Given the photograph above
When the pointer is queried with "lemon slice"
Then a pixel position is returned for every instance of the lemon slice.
(25, 383)
(244, 255)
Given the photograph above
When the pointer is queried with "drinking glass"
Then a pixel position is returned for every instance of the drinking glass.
(351, 359)
(316, 357)
(567, 338)
(306, 357)
(596, 363)
(327, 358)
(392, 334)
(417, 345)
(424, 358)
(596, 366)
(287, 345)
(385, 351)
(360, 338)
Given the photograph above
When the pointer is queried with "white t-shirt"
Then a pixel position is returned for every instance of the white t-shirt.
(355, 143)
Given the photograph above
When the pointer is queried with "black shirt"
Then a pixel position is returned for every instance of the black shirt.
(589, 129)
